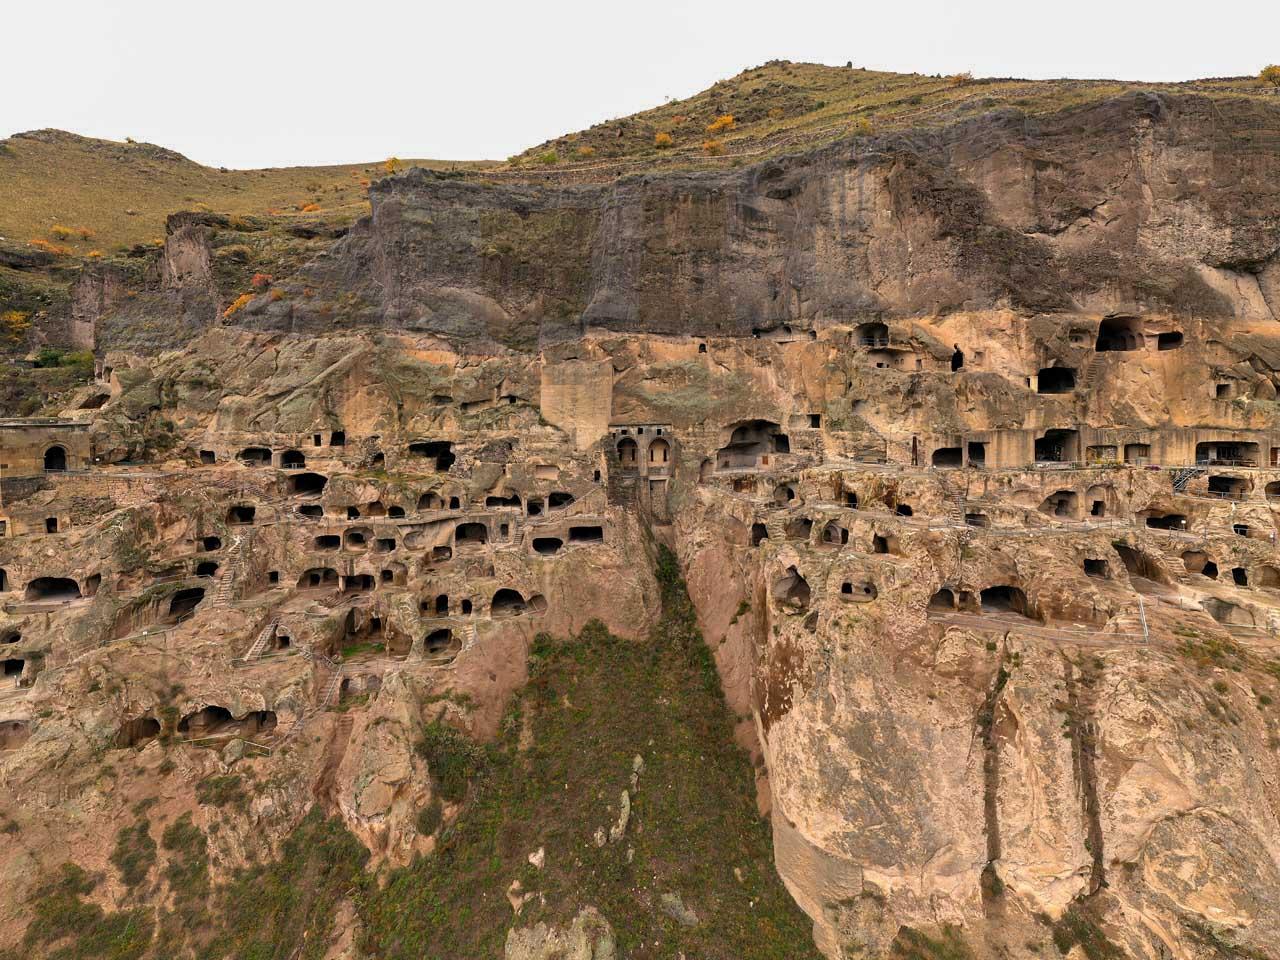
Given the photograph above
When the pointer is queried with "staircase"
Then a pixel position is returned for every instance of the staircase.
(1089, 374)
(1183, 476)
(265, 636)
(225, 585)
(331, 689)
(955, 507)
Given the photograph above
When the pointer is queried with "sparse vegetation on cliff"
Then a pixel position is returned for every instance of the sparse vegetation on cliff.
(593, 703)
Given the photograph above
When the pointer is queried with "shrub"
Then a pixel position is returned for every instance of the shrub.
(94, 254)
(14, 323)
(721, 124)
(392, 165)
(1270, 74)
(309, 207)
(57, 249)
(238, 304)
(712, 148)
(586, 151)
(261, 281)
(429, 817)
(62, 233)
(862, 127)
(451, 758)
(135, 853)
(960, 79)
(221, 791)
(663, 140)
(549, 158)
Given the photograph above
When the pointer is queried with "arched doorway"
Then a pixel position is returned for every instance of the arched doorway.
(55, 459)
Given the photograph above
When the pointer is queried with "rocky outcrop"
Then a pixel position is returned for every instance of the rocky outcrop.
(1145, 203)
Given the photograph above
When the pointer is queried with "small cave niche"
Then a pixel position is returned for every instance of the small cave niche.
(338, 438)
(184, 602)
(883, 544)
(957, 359)
(384, 544)
(799, 528)
(588, 534)
(328, 541)
(255, 456)
(1051, 380)
(137, 732)
(759, 532)
(52, 589)
(1057, 446)
(533, 507)
(395, 512)
(441, 646)
(208, 458)
(430, 501)
(872, 334)
(507, 603)
(439, 451)
(903, 510)
(1061, 503)
(293, 460)
(95, 401)
(497, 501)
(357, 539)
(1119, 334)
(943, 601)
(835, 535)
(851, 499)
(358, 583)
(13, 734)
(1240, 576)
(310, 510)
(307, 484)
(1139, 564)
(470, 535)
(209, 544)
(207, 568)
(946, 457)
(792, 590)
(1267, 577)
(1169, 340)
(1164, 521)
(1096, 568)
(12, 666)
(547, 546)
(977, 520)
(559, 499)
(1233, 488)
(242, 514)
(784, 493)
(318, 577)
(1003, 598)
(858, 591)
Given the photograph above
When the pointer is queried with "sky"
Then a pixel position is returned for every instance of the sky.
(280, 83)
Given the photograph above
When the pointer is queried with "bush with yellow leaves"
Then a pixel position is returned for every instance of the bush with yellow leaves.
(586, 151)
(713, 148)
(238, 304)
(721, 124)
(1270, 74)
(663, 141)
(960, 79)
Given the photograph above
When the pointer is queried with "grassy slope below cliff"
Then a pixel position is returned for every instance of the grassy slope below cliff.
(593, 703)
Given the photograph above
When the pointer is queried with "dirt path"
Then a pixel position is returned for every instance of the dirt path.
(335, 750)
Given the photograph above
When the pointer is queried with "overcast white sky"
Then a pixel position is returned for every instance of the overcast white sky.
(249, 83)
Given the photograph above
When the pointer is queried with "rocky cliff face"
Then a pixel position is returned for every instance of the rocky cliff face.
(967, 444)
(1147, 203)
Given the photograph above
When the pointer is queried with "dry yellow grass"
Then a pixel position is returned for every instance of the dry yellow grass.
(105, 195)
(783, 105)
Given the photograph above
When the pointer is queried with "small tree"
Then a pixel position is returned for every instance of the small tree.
(1270, 74)
(392, 165)
(960, 79)
(663, 141)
